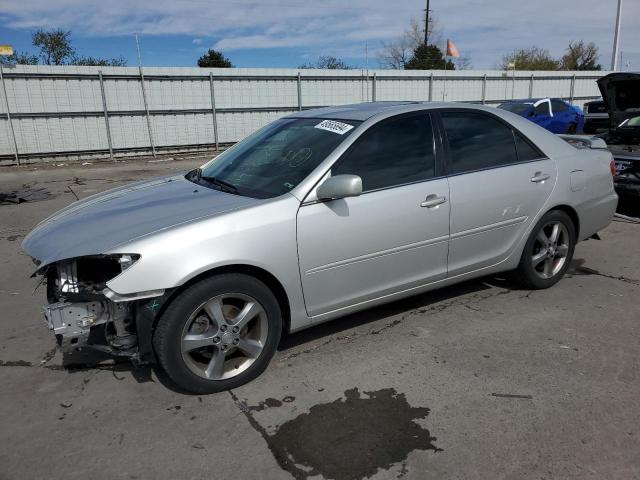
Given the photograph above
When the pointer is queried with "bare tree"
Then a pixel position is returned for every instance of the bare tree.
(99, 62)
(327, 62)
(532, 58)
(581, 56)
(395, 54)
(463, 63)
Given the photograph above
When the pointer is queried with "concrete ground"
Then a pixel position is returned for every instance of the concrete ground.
(479, 380)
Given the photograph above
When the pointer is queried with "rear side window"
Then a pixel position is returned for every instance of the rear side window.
(393, 152)
(559, 106)
(478, 141)
(526, 151)
(543, 109)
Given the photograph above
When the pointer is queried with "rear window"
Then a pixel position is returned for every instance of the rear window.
(478, 141)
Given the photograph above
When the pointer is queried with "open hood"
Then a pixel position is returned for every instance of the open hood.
(621, 95)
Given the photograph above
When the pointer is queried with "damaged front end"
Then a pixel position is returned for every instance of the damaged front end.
(83, 312)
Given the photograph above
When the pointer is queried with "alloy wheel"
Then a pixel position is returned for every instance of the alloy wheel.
(550, 249)
(224, 336)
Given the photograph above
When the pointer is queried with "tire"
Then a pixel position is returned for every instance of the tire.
(543, 262)
(219, 333)
(572, 129)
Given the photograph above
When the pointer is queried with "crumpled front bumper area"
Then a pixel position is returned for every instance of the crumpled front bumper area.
(72, 323)
(79, 312)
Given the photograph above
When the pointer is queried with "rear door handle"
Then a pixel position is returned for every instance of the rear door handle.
(540, 177)
(433, 201)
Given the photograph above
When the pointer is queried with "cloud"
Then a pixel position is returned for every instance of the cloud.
(482, 29)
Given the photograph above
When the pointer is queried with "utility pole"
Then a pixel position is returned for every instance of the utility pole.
(426, 24)
(616, 37)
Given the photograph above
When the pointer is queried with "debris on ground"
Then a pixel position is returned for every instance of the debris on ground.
(511, 395)
(23, 195)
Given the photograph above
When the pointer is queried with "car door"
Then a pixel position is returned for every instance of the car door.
(394, 236)
(499, 181)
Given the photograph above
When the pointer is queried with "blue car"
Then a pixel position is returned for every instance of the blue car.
(554, 114)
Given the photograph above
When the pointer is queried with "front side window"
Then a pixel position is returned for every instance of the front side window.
(393, 152)
(277, 158)
(478, 141)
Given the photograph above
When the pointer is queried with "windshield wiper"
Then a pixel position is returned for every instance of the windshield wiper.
(225, 186)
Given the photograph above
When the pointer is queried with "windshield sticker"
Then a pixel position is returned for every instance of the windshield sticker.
(335, 127)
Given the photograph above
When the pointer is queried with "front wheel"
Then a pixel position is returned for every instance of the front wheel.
(572, 129)
(219, 333)
(548, 252)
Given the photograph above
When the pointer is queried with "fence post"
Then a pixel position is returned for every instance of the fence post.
(431, 87)
(146, 109)
(213, 110)
(106, 114)
(484, 89)
(13, 133)
(373, 88)
(299, 93)
(573, 85)
(531, 86)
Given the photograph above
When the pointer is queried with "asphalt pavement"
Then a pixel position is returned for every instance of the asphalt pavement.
(479, 380)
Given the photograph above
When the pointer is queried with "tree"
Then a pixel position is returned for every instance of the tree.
(56, 49)
(55, 46)
(397, 53)
(532, 58)
(214, 59)
(463, 63)
(428, 57)
(327, 62)
(20, 58)
(100, 62)
(581, 56)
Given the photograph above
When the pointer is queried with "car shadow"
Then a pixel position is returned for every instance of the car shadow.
(89, 360)
(394, 308)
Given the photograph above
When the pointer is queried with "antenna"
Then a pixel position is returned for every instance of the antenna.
(138, 50)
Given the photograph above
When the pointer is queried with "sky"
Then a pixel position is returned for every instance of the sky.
(288, 33)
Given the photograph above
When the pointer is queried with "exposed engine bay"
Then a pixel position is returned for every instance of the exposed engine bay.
(84, 312)
(621, 96)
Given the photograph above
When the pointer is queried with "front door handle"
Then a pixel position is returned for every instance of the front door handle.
(540, 177)
(433, 201)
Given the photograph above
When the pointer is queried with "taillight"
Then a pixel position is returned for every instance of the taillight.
(612, 166)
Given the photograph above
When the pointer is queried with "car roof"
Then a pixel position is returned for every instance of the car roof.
(533, 100)
(364, 111)
(355, 111)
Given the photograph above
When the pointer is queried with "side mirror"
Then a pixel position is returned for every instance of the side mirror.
(532, 113)
(340, 186)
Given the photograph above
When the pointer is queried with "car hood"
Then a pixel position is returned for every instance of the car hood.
(102, 222)
(621, 95)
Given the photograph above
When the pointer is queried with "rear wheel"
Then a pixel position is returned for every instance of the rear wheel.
(219, 334)
(548, 252)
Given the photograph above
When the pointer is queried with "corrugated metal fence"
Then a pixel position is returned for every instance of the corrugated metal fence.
(88, 112)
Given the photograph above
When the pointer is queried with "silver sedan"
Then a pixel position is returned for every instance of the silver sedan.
(317, 215)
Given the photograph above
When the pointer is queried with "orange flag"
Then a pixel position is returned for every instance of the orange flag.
(452, 50)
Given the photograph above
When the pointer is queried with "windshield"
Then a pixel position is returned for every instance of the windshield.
(277, 158)
(518, 108)
(631, 122)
